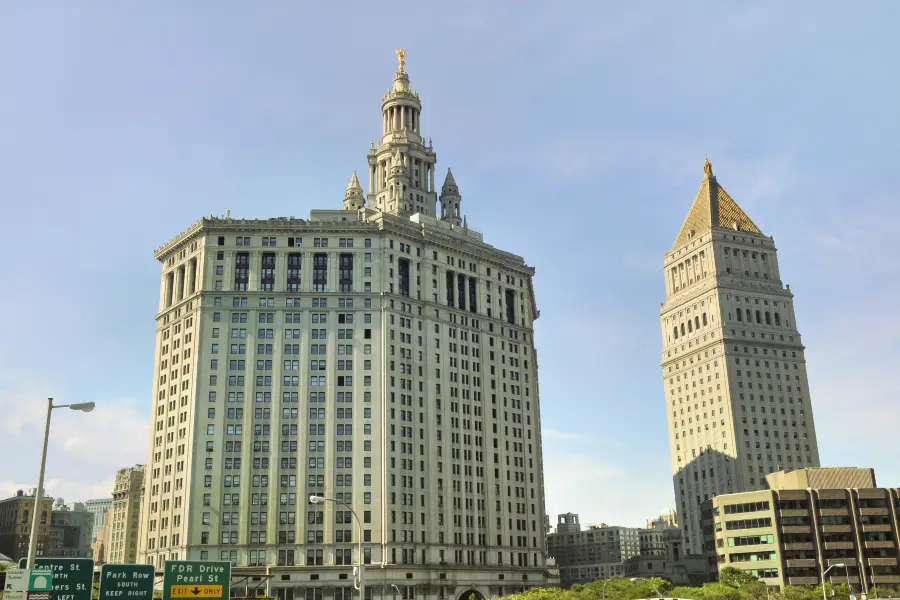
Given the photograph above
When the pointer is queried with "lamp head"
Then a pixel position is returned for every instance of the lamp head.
(83, 406)
(316, 499)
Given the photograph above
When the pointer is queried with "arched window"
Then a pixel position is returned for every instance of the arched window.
(690, 328)
(768, 318)
(682, 329)
(676, 331)
(778, 319)
(704, 319)
(697, 322)
(758, 317)
(749, 316)
(739, 315)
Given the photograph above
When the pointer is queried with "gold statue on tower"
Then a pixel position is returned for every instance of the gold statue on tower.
(401, 56)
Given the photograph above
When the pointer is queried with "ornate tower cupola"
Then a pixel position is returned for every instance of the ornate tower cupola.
(401, 164)
(353, 197)
(450, 200)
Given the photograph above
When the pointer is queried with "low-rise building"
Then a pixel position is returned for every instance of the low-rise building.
(600, 551)
(15, 525)
(810, 519)
(670, 564)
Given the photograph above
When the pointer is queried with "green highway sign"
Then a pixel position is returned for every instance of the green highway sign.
(73, 578)
(128, 582)
(196, 579)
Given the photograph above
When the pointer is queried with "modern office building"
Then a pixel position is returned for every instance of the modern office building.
(733, 364)
(808, 520)
(124, 517)
(15, 525)
(379, 354)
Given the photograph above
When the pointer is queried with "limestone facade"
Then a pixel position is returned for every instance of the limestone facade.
(380, 355)
(733, 364)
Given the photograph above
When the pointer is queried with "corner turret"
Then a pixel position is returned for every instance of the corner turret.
(450, 200)
(353, 197)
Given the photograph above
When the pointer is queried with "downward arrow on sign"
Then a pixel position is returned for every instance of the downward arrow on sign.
(195, 591)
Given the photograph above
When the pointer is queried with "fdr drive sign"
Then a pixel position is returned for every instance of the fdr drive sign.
(196, 579)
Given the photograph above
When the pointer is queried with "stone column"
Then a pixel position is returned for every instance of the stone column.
(431, 177)
(253, 272)
(167, 286)
(372, 178)
(179, 283)
(192, 276)
(402, 118)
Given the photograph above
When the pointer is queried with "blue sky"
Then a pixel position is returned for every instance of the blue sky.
(576, 132)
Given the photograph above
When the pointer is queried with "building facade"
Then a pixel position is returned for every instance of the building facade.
(380, 355)
(733, 363)
(99, 508)
(670, 564)
(124, 517)
(15, 525)
(598, 552)
(784, 535)
(71, 530)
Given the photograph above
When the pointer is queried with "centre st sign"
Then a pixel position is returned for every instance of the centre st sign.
(196, 579)
(73, 578)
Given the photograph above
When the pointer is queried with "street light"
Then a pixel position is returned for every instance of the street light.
(36, 517)
(656, 589)
(825, 572)
(358, 584)
(605, 581)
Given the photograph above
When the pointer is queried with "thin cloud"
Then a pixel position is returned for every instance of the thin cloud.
(85, 449)
(559, 435)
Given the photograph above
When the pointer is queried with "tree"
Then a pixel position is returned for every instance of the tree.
(735, 577)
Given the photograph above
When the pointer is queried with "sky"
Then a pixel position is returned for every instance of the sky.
(576, 132)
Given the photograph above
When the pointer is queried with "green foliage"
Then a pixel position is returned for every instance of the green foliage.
(733, 584)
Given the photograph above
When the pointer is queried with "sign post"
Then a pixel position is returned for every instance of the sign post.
(196, 579)
(126, 582)
(73, 578)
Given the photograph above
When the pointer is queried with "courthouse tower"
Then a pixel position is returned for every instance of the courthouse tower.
(733, 364)
(380, 354)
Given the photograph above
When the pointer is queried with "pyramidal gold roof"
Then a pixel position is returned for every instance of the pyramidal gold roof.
(713, 207)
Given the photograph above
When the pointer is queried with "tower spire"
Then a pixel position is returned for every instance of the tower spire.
(713, 207)
(401, 166)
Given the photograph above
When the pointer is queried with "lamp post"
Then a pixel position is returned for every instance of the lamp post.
(358, 583)
(825, 572)
(656, 589)
(603, 590)
(39, 492)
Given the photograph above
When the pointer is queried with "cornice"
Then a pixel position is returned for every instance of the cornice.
(478, 250)
(278, 224)
(725, 282)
